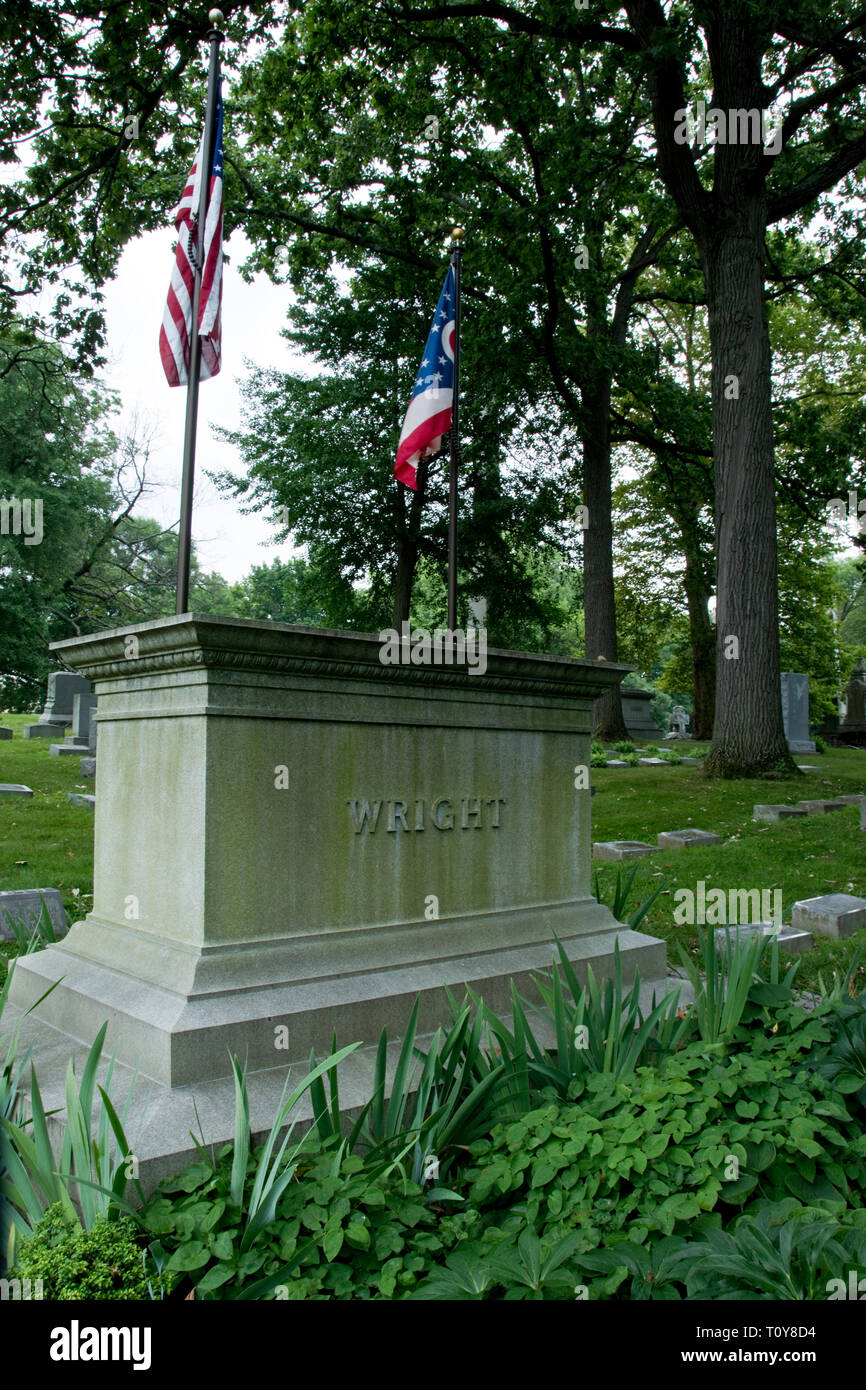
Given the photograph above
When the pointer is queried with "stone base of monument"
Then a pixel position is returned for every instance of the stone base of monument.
(161, 1118)
(295, 838)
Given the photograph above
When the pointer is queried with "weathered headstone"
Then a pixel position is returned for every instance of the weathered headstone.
(85, 799)
(87, 767)
(387, 832)
(10, 790)
(83, 710)
(817, 806)
(678, 722)
(637, 714)
(26, 907)
(795, 711)
(853, 726)
(57, 714)
(5, 733)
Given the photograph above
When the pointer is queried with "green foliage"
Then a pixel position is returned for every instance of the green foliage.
(843, 1060)
(92, 1167)
(338, 1230)
(783, 1251)
(622, 892)
(519, 1269)
(624, 746)
(640, 1157)
(105, 1262)
(728, 985)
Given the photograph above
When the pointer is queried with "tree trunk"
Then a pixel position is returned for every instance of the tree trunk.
(702, 638)
(598, 590)
(748, 736)
(408, 544)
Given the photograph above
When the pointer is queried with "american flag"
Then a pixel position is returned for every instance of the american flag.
(174, 336)
(429, 413)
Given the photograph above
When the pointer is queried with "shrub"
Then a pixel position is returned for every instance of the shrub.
(106, 1262)
(625, 745)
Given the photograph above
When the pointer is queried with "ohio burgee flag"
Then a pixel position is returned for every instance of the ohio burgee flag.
(174, 336)
(429, 415)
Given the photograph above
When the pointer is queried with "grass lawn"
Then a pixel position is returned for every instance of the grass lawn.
(805, 857)
(46, 843)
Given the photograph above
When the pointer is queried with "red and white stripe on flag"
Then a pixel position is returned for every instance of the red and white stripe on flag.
(176, 331)
(430, 407)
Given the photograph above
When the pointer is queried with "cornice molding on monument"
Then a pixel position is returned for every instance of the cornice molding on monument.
(204, 644)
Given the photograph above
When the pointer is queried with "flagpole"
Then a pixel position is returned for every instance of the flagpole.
(184, 543)
(456, 252)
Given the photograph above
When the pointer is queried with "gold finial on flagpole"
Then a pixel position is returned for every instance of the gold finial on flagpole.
(457, 234)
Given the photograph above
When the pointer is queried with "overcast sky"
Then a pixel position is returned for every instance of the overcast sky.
(253, 315)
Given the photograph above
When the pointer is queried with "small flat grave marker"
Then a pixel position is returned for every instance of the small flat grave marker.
(687, 839)
(614, 851)
(816, 806)
(788, 938)
(776, 812)
(82, 799)
(8, 790)
(834, 914)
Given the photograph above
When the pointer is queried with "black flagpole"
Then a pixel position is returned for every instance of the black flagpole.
(184, 543)
(456, 252)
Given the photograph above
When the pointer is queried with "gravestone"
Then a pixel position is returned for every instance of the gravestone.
(57, 714)
(678, 723)
(292, 837)
(26, 907)
(853, 726)
(774, 811)
(687, 839)
(83, 710)
(788, 938)
(615, 851)
(834, 914)
(10, 790)
(4, 732)
(795, 711)
(637, 714)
